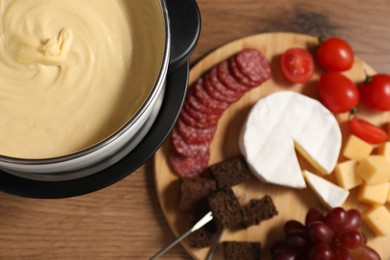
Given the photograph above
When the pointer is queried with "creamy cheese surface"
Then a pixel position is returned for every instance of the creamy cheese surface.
(73, 72)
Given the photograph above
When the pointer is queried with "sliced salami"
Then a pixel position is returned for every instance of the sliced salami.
(254, 65)
(226, 94)
(225, 76)
(194, 135)
(215, 106)
(189, 120)
(186, 149)
(188, 166)
(205, 119)
(239, 76)
(194, 102)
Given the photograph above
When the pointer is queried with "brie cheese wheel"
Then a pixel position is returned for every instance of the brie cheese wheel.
(281, 122)
(330, 194)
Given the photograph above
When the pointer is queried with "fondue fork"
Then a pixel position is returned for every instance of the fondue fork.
(203, 221)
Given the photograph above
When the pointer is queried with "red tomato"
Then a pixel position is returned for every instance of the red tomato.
(337, 92)
(367, 131)
(297, 65)
(335, 54)
(376, 92)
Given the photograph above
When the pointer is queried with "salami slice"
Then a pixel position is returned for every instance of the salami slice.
(226, 94)
(228, 80)
(239, 76)
(215, 106)
(189, 120)
(194, 135)
(186, 149)
(194, 102)
(188, 166)
(205, 119)
(254, 65)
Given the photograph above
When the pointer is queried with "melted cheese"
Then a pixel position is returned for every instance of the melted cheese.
(73, 72)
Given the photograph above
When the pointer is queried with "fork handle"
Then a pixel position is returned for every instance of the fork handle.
(174, 243)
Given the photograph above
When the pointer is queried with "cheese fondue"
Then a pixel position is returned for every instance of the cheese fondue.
(73, 72)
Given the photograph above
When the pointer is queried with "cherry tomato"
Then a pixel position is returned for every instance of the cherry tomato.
(335, 54)
(366, 131)
(376, 92)
(297, 65)
(337, 92)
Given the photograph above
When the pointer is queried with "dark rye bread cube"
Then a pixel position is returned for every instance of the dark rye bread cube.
(241, 250)
(226, 208)
(194, 192)
(258, 210)
(230, 172)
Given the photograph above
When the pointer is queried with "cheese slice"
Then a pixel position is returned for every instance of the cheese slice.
(330, 194)
(281, 122)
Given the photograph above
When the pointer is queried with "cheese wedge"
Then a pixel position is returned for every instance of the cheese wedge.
(281, 122)
(330, 194)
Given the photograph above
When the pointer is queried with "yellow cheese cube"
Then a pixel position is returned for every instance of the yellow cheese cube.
(374, 194)
(378, 219)
(356, 148)
(388, 197)
(374, 169)
(384, 150)
(346, 175)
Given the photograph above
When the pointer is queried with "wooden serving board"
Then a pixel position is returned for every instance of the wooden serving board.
(291, 203)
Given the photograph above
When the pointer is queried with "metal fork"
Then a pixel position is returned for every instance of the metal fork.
(203, 221)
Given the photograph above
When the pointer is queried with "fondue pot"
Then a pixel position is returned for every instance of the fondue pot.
(130, 146)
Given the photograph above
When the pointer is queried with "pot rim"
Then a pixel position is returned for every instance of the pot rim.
(154, 92)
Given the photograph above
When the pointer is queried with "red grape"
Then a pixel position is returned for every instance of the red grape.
(366, 253)
(336, 219)
(314, 214)
(293, 227)
(319, 232)
(297, 243)
(277, 247)
(334, 236)
(354, 219)
(285, 255)
(365, 240)
(351, 239)
(340, 253)
(321, 252)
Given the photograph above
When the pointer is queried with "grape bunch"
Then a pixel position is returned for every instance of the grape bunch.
(332, 236)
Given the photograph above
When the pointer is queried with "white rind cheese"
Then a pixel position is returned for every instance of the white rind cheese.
(282, 121)
(330, 194)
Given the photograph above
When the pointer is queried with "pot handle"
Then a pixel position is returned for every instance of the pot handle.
(185, 26)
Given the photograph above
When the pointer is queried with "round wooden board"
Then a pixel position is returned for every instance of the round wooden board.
(291, 203)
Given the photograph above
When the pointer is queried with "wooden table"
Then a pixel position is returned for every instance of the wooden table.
(125, 220)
